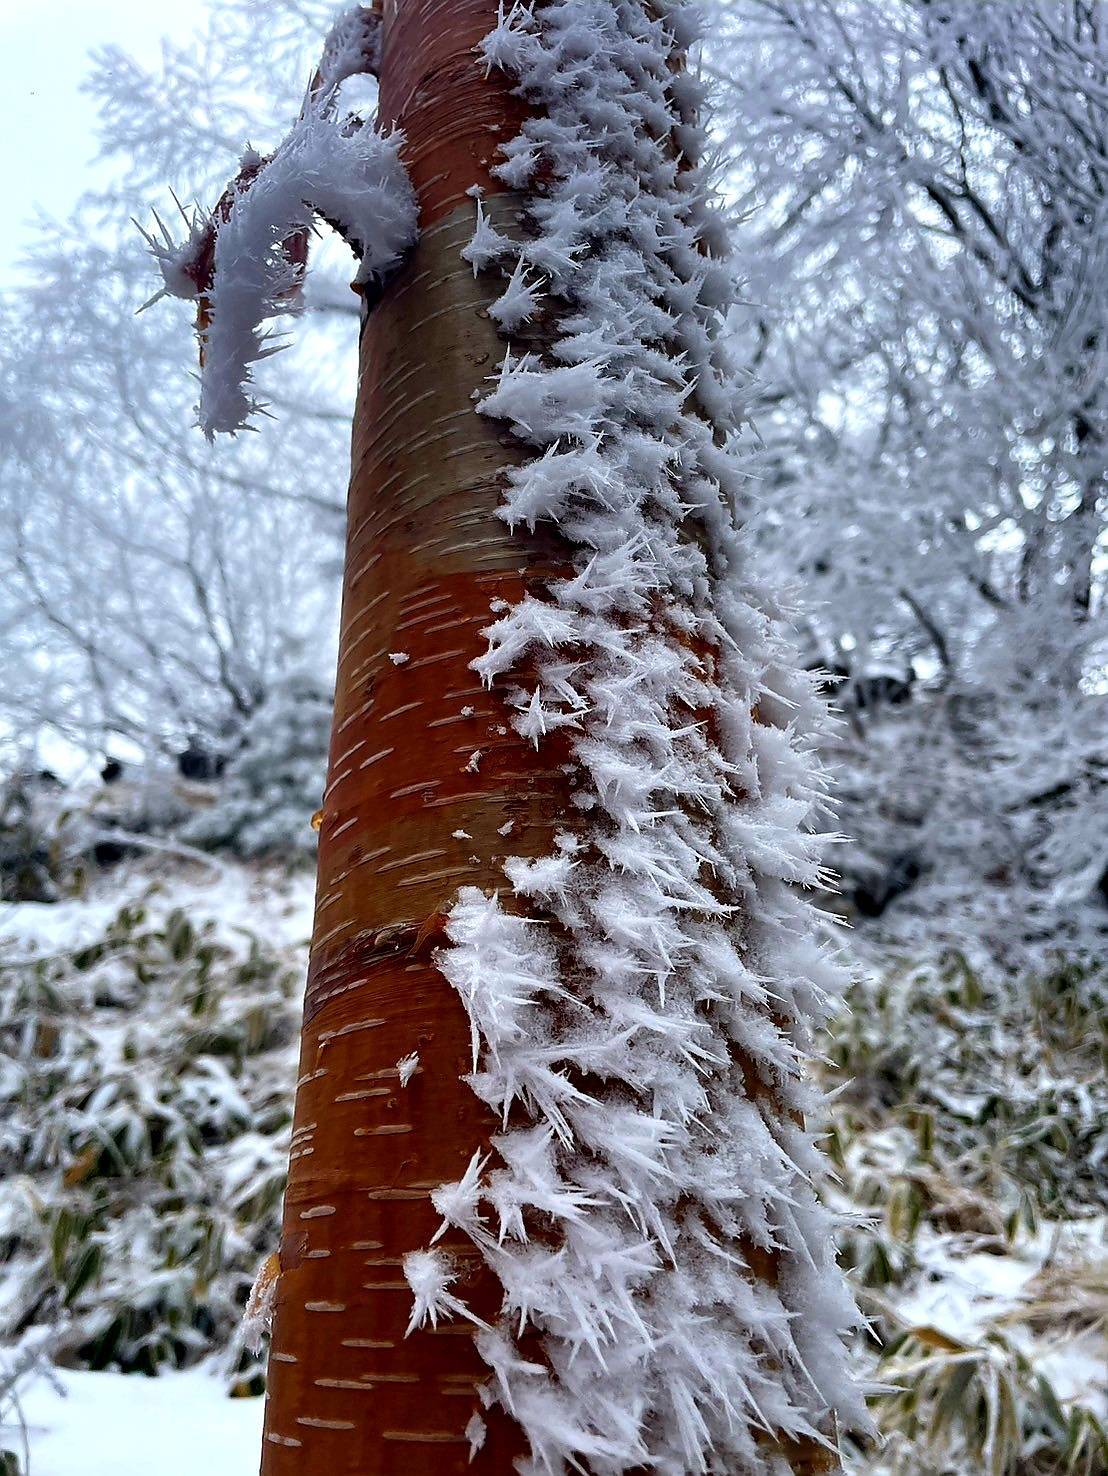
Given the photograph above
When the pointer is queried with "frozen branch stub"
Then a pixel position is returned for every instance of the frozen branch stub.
(245, 261)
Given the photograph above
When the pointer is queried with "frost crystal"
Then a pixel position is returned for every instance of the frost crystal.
(407, 1067)
(354, 178)
(258, 1313)
(352, 47)
(475, 1434)
(640, 1000)
(429, 1274)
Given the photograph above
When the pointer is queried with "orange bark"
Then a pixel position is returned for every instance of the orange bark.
(419, 755)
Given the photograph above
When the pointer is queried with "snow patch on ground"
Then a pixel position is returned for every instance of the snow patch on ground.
(266, 901)
(108, 1424)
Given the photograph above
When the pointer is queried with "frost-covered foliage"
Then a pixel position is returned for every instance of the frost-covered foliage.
(54, 836)
(30, 865)
(965, 1138)
(970, 1137)
(148, 587)
(146, 1064)
(645, 1052)
(923, 241)
(245, 261)
(272, 786)
(970, 832)
(1004, 1086)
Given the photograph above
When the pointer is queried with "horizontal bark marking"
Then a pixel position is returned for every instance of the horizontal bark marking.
(425, 1437)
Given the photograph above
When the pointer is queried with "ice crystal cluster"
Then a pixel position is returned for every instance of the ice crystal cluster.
(648, 1207)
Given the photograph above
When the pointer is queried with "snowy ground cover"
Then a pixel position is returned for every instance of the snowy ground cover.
(147, 1046)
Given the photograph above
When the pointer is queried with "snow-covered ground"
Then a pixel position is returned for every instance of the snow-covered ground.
(265, 903)
(109, 1424)
(963, 1295)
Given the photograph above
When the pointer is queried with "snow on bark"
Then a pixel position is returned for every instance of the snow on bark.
(644, 1052)
(407, 1067)
(352, 47)
(240, 259)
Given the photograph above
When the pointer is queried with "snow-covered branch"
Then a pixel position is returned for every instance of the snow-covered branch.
(245, 261)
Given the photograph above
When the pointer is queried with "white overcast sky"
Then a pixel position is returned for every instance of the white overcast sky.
(46, 122)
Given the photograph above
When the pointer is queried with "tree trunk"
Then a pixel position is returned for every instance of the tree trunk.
(429, 788)
(425, 785)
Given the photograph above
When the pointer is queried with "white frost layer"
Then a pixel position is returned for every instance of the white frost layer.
(642, 1168)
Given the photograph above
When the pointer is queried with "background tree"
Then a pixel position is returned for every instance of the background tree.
(923, 188)
(137, 620)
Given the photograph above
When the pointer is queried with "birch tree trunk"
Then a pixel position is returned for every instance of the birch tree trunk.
(426, 783)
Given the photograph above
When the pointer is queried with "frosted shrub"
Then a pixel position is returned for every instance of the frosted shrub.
(272, 786)
(144, 1084)
(971, 1135)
